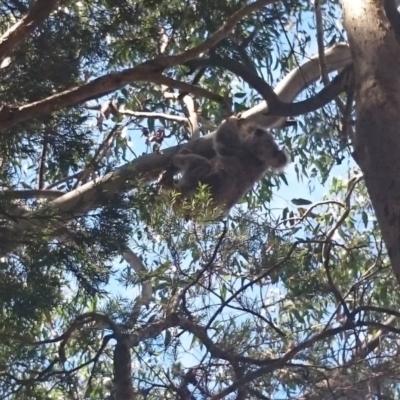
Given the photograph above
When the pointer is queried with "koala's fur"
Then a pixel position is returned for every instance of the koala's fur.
(244, 153)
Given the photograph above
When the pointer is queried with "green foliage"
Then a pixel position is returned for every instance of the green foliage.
(270, 282)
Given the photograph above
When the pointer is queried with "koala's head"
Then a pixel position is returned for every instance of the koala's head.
(261, 144)
(259, 141)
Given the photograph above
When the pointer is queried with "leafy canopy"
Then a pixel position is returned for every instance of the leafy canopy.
(268, 303)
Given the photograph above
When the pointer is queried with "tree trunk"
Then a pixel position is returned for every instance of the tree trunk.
(376, 56)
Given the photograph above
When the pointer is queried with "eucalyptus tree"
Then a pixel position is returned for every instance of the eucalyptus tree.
(107, 292)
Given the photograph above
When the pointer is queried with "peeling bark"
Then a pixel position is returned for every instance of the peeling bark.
(376, 57)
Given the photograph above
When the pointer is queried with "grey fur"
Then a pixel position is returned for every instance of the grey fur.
(244, 154)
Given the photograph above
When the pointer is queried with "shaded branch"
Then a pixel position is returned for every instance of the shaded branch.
(31, 194)
(123, 371)
(146, 295)
(151, 115)
(101, 86)
(340, 83)
(320, 41)
(239, 69)
(337, 57)
(149, 71)
(81, 320)
(148, 167)
(393, 16)
(187, 87)
(39, 11)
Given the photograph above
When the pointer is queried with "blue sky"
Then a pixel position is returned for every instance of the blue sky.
(311, 190)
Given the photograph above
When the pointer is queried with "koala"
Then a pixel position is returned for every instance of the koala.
(244, 153)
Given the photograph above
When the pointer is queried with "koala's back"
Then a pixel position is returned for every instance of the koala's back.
(231, 178)
(244, 152)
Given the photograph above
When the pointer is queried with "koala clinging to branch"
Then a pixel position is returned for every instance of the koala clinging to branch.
(244, 153)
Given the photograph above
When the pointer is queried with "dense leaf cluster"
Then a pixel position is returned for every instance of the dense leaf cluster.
(264, 304)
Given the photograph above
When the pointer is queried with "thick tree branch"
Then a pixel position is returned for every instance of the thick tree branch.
(393, 16)
(239, 69)
(39, 11)
(337, 57)
(31, 194)
(84, 198)
(149, 71)
(103, 85)
(287, 357)
(334, 383)
(340, 83)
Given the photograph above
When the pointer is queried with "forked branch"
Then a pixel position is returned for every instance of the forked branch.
(149, 71)
(342, 82)
(84, 198)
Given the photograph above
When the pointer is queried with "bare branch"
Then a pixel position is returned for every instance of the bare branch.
(247, 74)
(187, 87)
(193, 117)
(149, 71)
(99, 154)
(32, 194)
(147, 291)
(216, 37)
(276, 107)
(79, 201)
(336, 57)
(39, 11)
(152, 115)
(320, 41)
(103, 85)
